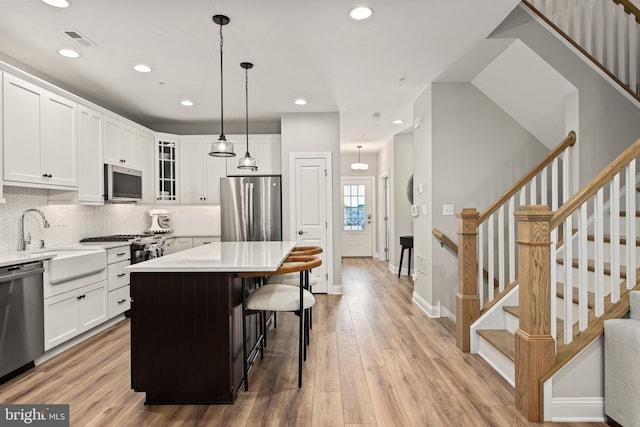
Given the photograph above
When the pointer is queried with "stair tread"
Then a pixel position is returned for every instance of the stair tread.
(624, 213)
(607, 239)
(591, 297)
(502, 340)
(591, 267)
(512, 309)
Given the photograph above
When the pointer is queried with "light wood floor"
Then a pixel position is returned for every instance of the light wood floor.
(375, 359)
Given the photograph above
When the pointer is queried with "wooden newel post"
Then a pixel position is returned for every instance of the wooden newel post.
(535, 348)
(467, 300)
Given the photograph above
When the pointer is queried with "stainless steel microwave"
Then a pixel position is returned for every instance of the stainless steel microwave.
(122, 184)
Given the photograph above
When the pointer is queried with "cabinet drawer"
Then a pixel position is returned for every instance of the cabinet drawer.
(118, 276)
(119, 301)
(120, 253)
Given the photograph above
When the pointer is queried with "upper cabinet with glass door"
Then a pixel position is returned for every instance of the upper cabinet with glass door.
(167, 168)
(264, 148)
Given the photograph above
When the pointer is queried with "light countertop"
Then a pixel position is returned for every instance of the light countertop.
(8, 258)
(221, 257)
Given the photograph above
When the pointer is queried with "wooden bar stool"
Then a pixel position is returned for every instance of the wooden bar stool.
(279, 297)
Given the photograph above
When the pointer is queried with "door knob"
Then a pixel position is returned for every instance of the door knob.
(300, 232)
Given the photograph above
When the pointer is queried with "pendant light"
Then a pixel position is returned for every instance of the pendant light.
(359, 166)
(247, 162)
(222, 147)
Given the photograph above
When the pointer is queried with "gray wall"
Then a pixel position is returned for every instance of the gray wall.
(401, 208)
(479, 152)
(313, 133)
(609, 121)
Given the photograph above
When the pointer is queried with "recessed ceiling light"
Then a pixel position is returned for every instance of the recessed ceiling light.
(57, 3)
(69, 53)
(398, 122)
(142, 68)
(360, 13)
(300, 101)
(186, 103)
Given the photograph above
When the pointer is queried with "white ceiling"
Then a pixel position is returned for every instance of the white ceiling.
(300, 48)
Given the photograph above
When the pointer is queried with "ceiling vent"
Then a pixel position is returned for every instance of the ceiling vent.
(78, 37)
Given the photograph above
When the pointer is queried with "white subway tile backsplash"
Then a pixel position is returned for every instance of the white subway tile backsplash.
(70, 223)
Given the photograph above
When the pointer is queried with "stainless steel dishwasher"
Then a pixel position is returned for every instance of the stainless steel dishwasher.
(21, 317)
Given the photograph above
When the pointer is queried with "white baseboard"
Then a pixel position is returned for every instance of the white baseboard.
(336, 290)
(444, 312)
(430, 310)
(498, 361)
(577, 409)
(50, 354)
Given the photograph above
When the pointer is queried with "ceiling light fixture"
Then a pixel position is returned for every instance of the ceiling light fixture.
(142, 68)
(68, 53)
(247, 162)
(57, 3)
(398, 122)
(300, 101)
(359, 166)
(186, 103)
(360, 13)
(222, 147)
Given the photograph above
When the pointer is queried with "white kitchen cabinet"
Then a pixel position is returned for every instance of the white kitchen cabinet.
(90, 167)
(177, 244)
(120, 143)
(264, 148)
(199, 241)
(200, 173)
(166, 158)
(39, 136)
(145, 153)
(71, 313)
(118, 259)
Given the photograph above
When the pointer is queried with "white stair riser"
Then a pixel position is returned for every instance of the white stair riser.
(591, 249)
(590, 279)
(501, 363)
(512, 322)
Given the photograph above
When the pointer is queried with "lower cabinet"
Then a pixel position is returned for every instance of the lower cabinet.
(118, 278)
(72, 313)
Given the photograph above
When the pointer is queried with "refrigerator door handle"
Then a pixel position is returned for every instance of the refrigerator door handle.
(250, 210)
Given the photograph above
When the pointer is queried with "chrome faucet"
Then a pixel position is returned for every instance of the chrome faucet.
(22, 244)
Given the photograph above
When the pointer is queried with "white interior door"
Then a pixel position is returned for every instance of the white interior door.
(357, 216)
(309, 200)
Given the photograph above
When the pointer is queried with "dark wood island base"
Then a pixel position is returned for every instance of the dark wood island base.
(186, 337)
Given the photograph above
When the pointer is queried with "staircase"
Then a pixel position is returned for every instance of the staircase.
(547, 263)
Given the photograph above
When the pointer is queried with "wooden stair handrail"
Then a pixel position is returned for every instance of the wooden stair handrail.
(582, 50)
(570, 140)
(445, 240)
(630, 8)
(595, 184)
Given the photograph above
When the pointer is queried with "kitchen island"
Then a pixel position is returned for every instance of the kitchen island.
(186, 320)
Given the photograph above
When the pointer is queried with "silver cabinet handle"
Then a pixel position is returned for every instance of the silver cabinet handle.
(300, 232)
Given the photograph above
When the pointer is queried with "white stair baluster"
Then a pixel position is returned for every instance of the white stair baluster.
(480, 278)
(533, 188)
(568, 281)
(582, 268)
(599, 251)
(622, 41)
(544, 189)
(610, 36)
(490, 258)
(501, 242)
(553, 276)
(588, 27)
(633, 51)
(555, 193)
(599, 30)
(523, 195)
(630, 231)
(615, 239)
(512, 240)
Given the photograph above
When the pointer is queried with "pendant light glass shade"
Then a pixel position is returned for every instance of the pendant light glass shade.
(247, 162)
(359, 166)
(222, 147)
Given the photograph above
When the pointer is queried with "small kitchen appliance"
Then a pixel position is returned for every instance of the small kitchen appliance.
(160, 221)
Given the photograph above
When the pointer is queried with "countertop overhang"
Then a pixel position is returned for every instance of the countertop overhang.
(221, 257)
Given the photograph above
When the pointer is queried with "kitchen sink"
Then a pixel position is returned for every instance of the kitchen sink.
(72, 263)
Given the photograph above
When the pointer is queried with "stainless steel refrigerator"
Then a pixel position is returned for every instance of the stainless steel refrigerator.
(251, 208)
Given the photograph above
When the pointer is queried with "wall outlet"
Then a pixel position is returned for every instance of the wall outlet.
(414, 210)
(423, 210)
(419, 189)
(447, 210)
